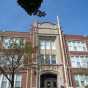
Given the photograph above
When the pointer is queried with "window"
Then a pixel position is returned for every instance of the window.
(86, 78)
(47, 44)
(73, 61)
(81, 80)
(42, 44)
(41, 59)
(18, 81)
(77, 83)
(47, 59)
(87, 64)
(79, 61)
(53, 44)
(53, 59)
(4, 83)
(83, 61)
(82, 83)
(6, 42)
(76, 77)
(84, 48)
(76, 46)
(11, 42)
(7, 60)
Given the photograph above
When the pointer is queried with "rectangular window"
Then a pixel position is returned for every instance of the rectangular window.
(4, 83)
(79, 61)
(76, 46)
(73, 61)
(47, 59)
(9, 42)
(53, 59)
(81, 80)
(78, 64)
(41, 59)
(53, 45)
(47, 44)
(18, 81)
(42, 44)
(83, 61)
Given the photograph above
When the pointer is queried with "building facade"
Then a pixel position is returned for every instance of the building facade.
(77, 58)
(57, 60)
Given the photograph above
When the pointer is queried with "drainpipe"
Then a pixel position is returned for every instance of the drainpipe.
(63, 55)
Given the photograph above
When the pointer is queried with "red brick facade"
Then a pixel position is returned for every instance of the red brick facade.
(29, 75)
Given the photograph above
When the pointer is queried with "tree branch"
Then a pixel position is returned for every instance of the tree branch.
(5, 74)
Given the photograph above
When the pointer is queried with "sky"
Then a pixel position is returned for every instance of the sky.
(73, 16)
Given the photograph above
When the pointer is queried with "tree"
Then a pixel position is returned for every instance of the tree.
(12, 59)
(10, 62)
(32, 7)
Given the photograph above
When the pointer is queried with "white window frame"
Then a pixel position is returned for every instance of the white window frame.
(7, 82)
(79, 45)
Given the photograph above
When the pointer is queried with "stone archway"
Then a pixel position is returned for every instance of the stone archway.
(48, 80)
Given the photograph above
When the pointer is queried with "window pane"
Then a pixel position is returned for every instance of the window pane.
(77, 46)
(17, 84)
(18, 81)
(6, 42)
(47, 44)
(76, 80)
(10, 42)
(41, 59)
(18, 77)
(53, 45)
(53, 59)
(47, 59)
(3, 85)
(55, 84)
(4, 82)
(42, 44)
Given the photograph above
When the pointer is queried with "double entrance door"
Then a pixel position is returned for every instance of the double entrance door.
(50, 83)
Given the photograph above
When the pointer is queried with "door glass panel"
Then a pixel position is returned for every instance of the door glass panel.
(54, 84)
(48, 84)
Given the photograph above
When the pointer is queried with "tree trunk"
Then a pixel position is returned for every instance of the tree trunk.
(12, 85)
(13, 74)
(12, 81)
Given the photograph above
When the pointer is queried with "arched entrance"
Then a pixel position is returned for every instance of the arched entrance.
(48, 80)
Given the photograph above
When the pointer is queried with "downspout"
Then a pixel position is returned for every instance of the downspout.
(63, 55)
(27, 79)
